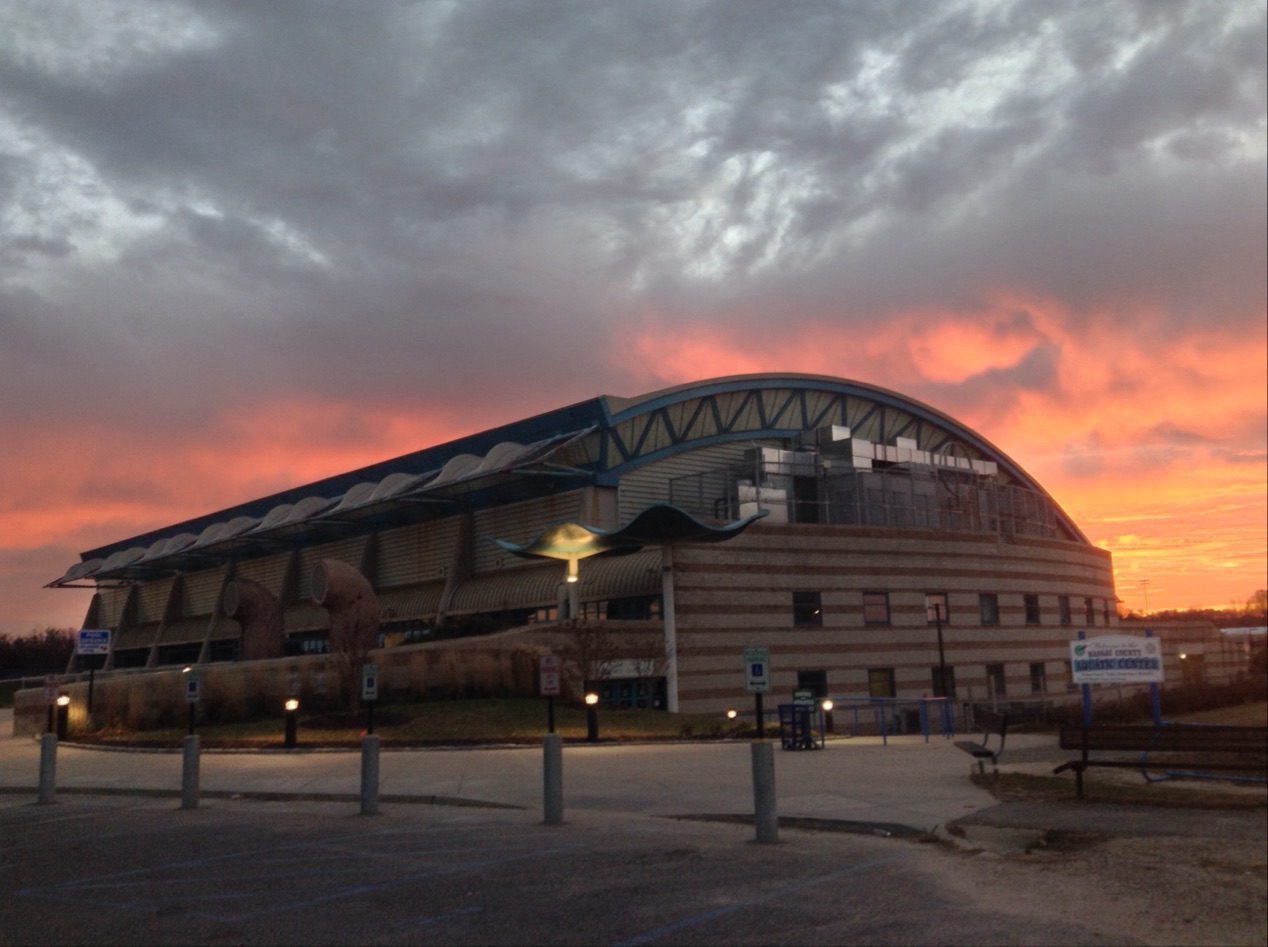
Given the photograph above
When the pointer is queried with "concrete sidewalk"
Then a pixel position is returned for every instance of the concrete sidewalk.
(907, 783)
(906, 787)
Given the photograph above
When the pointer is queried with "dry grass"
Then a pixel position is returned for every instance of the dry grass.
(440, 722)
(1025, 787)
(1241, 715)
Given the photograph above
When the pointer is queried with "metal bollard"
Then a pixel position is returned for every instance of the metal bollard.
(765, 816)
(190, 751)
(369, 774)
(48, 767)
(553, 778)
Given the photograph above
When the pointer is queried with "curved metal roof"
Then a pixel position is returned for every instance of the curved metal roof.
(594, 441)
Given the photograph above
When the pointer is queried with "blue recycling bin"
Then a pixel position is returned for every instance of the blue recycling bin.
(801, 727)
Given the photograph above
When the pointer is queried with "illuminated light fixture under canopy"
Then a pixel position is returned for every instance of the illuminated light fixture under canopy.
(657, 524)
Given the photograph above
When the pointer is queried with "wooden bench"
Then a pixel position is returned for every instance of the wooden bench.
(992, 725)
(1202, 751)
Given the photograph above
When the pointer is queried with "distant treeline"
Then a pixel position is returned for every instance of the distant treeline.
(39, 653)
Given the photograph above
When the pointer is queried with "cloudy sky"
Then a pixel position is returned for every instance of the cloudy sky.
(247, 245)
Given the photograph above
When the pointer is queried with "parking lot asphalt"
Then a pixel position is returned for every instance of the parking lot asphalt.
(657, 846)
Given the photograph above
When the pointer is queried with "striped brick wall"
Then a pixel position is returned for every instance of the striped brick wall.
(740, 593)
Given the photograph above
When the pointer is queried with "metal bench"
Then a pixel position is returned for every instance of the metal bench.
(991, 725)
(1196, 751)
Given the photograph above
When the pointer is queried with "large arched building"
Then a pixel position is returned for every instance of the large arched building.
(895, 542)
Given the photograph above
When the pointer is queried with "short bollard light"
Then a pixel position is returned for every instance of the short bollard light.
(63, 714)
(731, 713)
(292, 720)
(592, 717)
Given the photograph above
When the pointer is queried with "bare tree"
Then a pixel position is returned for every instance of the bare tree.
(647, 655)
(589, 652)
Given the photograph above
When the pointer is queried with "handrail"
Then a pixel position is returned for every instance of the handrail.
(884, 711)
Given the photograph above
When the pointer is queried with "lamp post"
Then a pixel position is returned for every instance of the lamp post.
(292, 721)
(63, 712)
(592, 717)
(935, 612)
(570, 580)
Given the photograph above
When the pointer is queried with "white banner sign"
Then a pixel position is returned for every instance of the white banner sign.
(1116, 659)
(93, 641)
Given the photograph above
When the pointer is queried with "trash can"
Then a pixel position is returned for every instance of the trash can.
(797, 725)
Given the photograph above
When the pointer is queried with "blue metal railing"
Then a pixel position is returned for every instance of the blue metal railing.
(896, 715)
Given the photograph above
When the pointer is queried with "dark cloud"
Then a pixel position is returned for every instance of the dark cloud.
(460, 208)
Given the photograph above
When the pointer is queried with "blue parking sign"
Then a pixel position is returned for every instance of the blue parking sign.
(757, 670)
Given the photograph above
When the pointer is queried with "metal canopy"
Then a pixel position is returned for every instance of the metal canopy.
(658, 524)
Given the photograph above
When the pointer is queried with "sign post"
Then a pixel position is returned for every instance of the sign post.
(92, 641)
(765, 806)
(193, 683)
(757, 681)
(369, 692)
(50, 697)
(193, 694)
(1115, 659)
(548, 670)
(369, 742)
(548, 683)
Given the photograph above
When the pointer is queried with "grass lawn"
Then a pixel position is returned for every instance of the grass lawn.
(1114, 786)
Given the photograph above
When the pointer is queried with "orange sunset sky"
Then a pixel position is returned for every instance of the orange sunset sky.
(244, 247)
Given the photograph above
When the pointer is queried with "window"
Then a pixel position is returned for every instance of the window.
(996, 684)
(634, 608)
(936, 608)
(988, 602)
(880, 682)
(876, 608)
(1063, 610)
(1089, 612)
(1032, 609)
(807, 609)
(1193, 669)
(936, 677)
(1038, 678)
(1105, 612)
(814, 681)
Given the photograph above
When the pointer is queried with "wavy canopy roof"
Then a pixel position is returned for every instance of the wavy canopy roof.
(658, 523)
(592, 442)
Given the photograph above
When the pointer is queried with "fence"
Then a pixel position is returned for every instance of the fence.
(882, 716)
